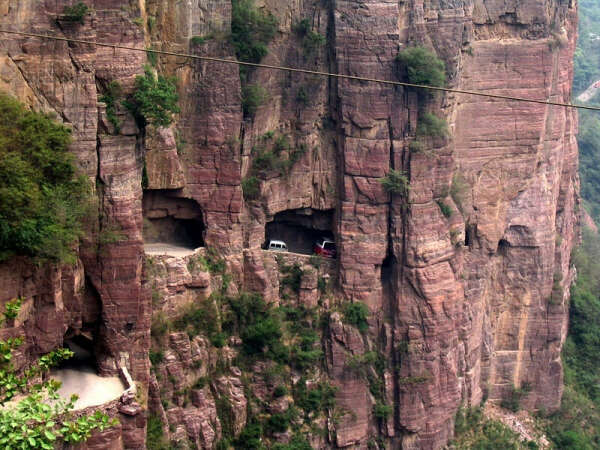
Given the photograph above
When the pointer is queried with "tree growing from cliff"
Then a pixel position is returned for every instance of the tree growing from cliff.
(423, 66)
(395, 182)
(251, 30)
(32, 414)
(154, 100)
(43, 198)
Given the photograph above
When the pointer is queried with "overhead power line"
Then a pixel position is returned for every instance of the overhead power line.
(295, 69)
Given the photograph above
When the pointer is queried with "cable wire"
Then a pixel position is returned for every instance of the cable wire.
(295, 69)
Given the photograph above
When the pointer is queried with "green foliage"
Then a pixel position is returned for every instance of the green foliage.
(473, 431)
(312, 42)
(302, 27)
(251, 188)
(43, 199)
(151, 22)
(253, 96)
(159, 325)
(356, 314)
(577, 424)
(319, 398)
(444, 208)
(152, 57)
(154, 100)
(111, 98)
(155, 438)
(298, 442)
(395, 182)
(277, 156)
(197, 318)
(512, 401)
(75, 13)
(423, 66)
(12, 308)
(38, 418)
(416, 146)
(587, 54)
(459, 190)
(257, 325)
(583, 343)
(302, 96)
(199, 40)
(293, 277)
(156, 357)
(280, 391)
(251, 30)
(431, 125)
(382, 411)
(589, 161)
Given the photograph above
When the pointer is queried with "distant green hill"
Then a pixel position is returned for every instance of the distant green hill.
(587, 55)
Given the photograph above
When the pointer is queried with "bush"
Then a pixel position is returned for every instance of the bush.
(156, 357)
(155, 99)
(512, 401)
(280, 391)
(75, 13)
(159, 326)
(110, 98)
(152, 57)
(356, 314)
(423, 66)
(199, 40)
(199, 318)
(292, 278)
(251, 31)
(431, 125)
(416, 146)
(395, 182)
(459, 190)
(320, 398)
(253, 96)
(251, 188)
(312, 42)
(155, 439)
(444, 208)
(43, 198)
(382, 411)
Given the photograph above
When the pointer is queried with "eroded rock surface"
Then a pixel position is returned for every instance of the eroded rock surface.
(466, 299)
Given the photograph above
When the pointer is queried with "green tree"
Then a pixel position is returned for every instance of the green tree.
(251, 31)
(423, 66)
(395, 182)
(43, 198)
(32, 415)
(154, 100)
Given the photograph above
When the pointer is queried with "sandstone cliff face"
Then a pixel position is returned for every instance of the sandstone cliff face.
(461, 307)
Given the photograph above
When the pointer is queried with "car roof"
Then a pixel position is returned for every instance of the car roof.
(273, 241)
(325, 241)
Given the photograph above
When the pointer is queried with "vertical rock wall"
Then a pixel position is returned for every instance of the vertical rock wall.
(462, 307)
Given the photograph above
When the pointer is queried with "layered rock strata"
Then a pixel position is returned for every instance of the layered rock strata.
(467, 300)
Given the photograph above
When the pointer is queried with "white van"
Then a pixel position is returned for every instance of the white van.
(278, 246)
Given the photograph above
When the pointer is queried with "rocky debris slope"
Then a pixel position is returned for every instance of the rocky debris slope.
(465, 277)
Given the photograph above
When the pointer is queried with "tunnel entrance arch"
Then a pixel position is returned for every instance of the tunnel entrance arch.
(172, 220)
(301, 228)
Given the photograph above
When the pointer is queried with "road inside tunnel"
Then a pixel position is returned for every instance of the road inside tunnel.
(300, 229)
(78, 375)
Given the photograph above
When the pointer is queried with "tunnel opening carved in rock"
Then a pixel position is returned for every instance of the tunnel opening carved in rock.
(79, 374)
(301, 229)
(172, 221)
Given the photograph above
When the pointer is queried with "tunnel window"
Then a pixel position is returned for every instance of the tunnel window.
(171, 219)
(302, 229)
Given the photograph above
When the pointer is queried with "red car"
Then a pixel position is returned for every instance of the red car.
(326, 248)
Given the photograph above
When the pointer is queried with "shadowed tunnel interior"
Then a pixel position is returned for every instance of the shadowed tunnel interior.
(300, 228)
(171, 219)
